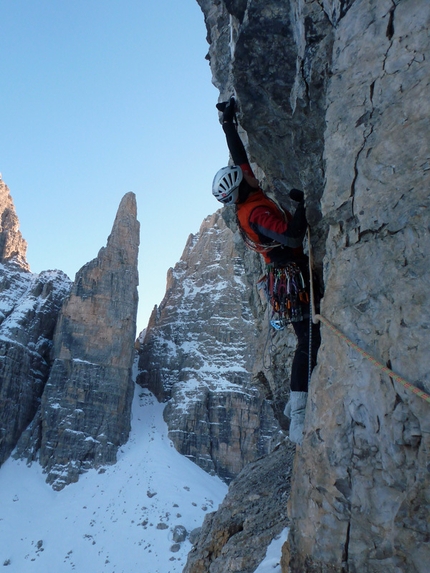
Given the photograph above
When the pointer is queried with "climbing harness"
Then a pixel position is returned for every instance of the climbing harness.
(286, 291)
(319, 318)
(253, 245)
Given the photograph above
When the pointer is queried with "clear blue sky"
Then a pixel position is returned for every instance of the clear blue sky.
(99, 98)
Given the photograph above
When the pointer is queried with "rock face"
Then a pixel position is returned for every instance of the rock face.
(29, 307)
(198, 354)
(235, 537)
(333, 98)
(85, 407)
(274, 56)
(371, 439)
(13, 247)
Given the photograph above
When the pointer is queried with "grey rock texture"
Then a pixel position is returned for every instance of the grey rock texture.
(29, 307)
(254, 512)
(275, 59)
(198, 354)
(85, 408)
(13, 247)
(333, 98)
(371, 438)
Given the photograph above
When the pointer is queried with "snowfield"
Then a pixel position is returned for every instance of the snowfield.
(120, 519)
(117, 520)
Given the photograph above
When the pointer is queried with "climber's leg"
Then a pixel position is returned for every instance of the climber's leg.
(296, 407)
(300, 366)
(298, 410)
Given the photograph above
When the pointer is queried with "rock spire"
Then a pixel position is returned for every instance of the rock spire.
(13, 248)
(85, 408)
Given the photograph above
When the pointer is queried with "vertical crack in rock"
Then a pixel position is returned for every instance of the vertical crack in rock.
(390, 27)
(345, 568)
(389, 33)
(367, 118)
(357, 158)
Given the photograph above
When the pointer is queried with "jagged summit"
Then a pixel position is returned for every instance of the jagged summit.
(86, 406)
(103, 300)
(13, 247)
(198, 354)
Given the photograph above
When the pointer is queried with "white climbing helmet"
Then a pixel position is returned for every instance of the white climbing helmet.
(225, 186)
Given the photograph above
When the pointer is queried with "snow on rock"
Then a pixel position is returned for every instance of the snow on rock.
(272, 561)
(93, 352)
(247, 531)
(198, 354)
(29, 307)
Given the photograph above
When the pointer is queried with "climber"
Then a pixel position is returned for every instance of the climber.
(278, 236)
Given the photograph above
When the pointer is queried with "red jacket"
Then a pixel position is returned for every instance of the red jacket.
(274, 233)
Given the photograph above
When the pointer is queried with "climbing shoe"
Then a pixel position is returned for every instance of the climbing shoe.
(297, 415)
(297, 195)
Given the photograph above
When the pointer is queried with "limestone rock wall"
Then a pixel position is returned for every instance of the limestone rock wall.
(367, 506)
(29, 307)
(86, 404)
(198, 355)
(85, 409)
(253, 513)
(13, 247)
(334, 98)
(274, 57)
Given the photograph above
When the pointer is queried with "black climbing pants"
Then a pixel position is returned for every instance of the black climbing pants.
(300, 369)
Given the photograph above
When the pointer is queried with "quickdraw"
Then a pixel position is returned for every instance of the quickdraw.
(287, 294)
